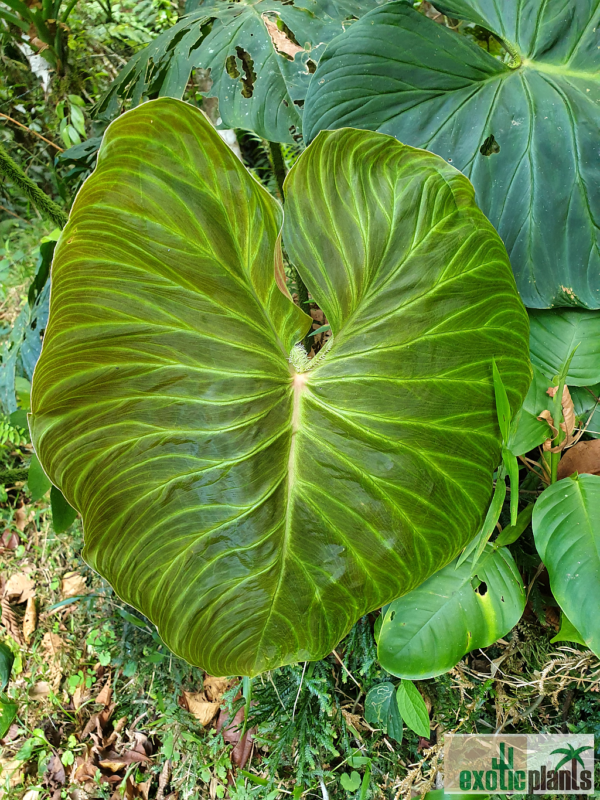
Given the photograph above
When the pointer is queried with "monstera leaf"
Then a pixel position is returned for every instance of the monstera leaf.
(252, 507)
(427, 632)
(260, 54)
(566, 528)
(524, 132)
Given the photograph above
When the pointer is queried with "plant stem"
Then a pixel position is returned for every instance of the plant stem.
(515, 56)
(280, 173)
(554, 461)
(278, 166)
(45, 205)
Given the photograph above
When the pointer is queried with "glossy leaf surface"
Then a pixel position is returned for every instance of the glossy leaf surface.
(250, 510)
(566, 528)
(412, 708)
(427, 632)
(260, 72)
(555, 334)
(526, 137)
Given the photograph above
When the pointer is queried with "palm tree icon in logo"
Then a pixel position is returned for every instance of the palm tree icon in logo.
(570, 754)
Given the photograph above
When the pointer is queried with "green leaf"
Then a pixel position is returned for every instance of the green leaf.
(63, 514)
(587, 408)
(412, 708)
(511, 533)
(8, 712)
(556, 333)
(351, 783)
(397, 71)
(377, 704)
(427, 632)
(260, 84)
(527, 431)
(440, 794)
(37, 480)
(254, 511)
(395, 729)
(476, 546)
(568, 632)
(7, 660)
(78, 120)
(566, 528)
(502, 405)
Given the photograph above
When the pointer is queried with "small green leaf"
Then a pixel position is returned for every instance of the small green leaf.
(78, 120)
(63, 514)
(512, 468)
(502, 405)
(568, 632)
(75, 100)
(412, 708)
(395, 728)
(377, 704)
(377, 627)
(320, 330)
(8, 711)
(511, 533)
(351, 783)
(37, 480)
(7, 660)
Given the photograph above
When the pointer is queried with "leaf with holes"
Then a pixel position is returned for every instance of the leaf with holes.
(566, 529)
(427, 632)
(524, 132)
(260, 53)
(254, 508)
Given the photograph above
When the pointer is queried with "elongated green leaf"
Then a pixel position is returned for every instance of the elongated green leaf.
(526, 137)
(527, 431)
(37, 479)
(260, 53)
(511, 533)
(250, 509)
(566, 527)
(6, 662)
(8, 712)
(427, 632)
(502, 404)
(477, 545)
(63, 515)
(555, 334)
(412, 708)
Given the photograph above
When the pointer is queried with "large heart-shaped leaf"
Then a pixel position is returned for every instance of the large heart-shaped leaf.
(555, 335)
(527, 136)
(260, 53)
(427, 632)
(566, 528)
(250, 509)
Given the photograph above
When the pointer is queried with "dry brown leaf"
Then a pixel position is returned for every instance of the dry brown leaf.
(215, 688)
(21, 518)
(200, 707)
(73, 585)
(55, 772)
(29, 620)
(52, 647)
(583, 457)
(80, 695)
(354, 720)
(11, 770)
(280, 41)
(40, 690)
(105, 695)
(113, 766)
(10, 622)
(567, 407)
(9, 540)
(19, 588)
(231, 730)
(32, 794)
(163, 780)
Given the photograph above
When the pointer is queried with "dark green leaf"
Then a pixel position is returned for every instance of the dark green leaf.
(511, 533)
(502, 405)
(395, 728)
(63, 514)
(6, 662)
(555, 334)
(254, 508)
(8, 712)
(568, 632)
(566, 527)
(37, 480)
(412, 708)
(397, 71)
(427, 632)
(377, 704)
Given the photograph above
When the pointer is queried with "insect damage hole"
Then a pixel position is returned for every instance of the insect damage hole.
(490, 146)
(480, 587)
(249, 76)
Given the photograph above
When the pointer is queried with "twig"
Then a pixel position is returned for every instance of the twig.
(11, 170)
(348, 673)
(35, 133)
(299, 689)
(12, 213)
